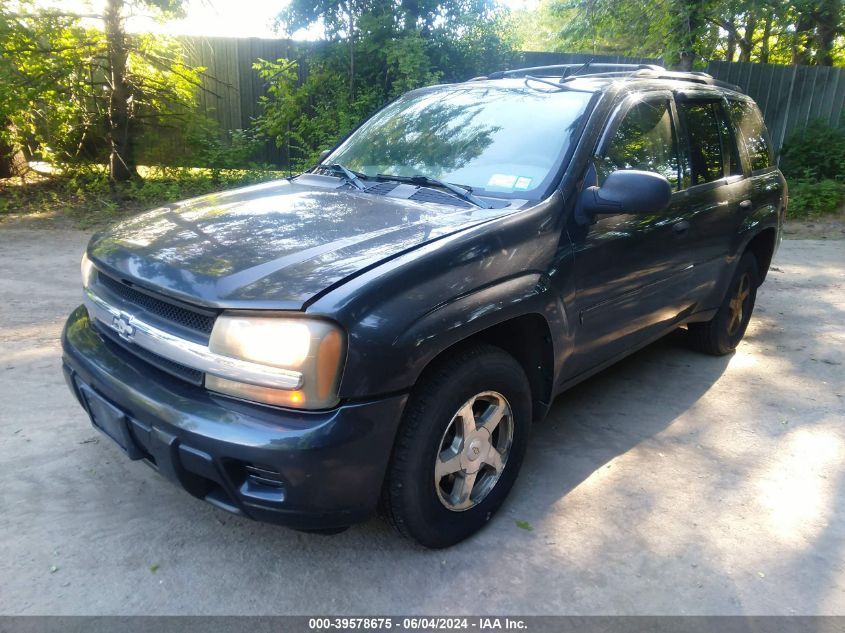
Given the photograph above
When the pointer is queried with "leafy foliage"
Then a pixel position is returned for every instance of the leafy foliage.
(46, 84)
(810, 197)
(85, 194)
(815, 153)
(813, 161)
(377, 50)
(685, 32)
(539, 29)
(57, 83)
(216, 150)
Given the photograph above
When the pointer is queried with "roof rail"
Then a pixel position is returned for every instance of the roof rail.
(568, 72)
(694, 76)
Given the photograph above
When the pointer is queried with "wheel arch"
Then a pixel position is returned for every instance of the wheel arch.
(528, 338)
(762, 246)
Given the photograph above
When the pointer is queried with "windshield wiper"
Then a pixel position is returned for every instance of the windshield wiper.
(420, 179)
(350, 176)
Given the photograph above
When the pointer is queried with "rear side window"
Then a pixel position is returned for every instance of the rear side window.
(705, 140)
(729, 141)
(748, 122)
(645, 140)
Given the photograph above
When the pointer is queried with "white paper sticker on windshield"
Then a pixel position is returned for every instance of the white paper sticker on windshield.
(505, 181)
(522, 183)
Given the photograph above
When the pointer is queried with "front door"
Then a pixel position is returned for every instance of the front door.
(632, 271)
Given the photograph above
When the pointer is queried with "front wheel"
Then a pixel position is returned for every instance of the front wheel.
(725, 330)
(459, 448)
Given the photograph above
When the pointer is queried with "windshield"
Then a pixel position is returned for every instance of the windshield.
(494, 140)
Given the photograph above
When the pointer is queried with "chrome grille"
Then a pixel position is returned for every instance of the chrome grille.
(188, 374)
(168, 311)
(139, 332)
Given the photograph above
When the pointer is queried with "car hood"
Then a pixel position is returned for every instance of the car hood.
(274, 245)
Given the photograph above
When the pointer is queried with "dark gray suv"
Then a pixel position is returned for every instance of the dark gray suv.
(382, 330)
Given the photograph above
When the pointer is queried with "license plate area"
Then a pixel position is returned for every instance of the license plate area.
(110, 420)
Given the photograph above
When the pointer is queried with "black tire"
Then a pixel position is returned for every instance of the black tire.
(725, 330)
(411, 499)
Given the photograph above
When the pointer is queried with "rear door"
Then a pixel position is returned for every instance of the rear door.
(765, 184)
(717, 191)
(631, 269)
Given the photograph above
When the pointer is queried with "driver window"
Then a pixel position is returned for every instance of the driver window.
(645, 140)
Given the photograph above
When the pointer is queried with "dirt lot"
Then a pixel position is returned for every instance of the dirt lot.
(672, 483)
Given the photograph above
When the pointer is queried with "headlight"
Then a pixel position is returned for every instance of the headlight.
(87, 269)
(313, 348)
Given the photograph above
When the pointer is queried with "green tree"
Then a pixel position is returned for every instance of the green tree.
(44, 62)
(376, 50)
(537, 29)
(687, 32)
(70, 92)
(674, 30)
(125, 87)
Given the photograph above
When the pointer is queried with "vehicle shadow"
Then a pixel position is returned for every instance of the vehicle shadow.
(614, 411)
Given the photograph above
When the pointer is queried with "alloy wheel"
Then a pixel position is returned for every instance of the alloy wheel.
(473, 451)
(737, 306)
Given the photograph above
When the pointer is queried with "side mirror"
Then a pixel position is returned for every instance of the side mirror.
(624, 191)
(323, 155)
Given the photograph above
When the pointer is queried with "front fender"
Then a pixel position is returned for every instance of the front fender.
(449, 324)
(404, 313)
(398, 364)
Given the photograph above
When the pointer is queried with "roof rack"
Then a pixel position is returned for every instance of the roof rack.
(567, 72)
(570, 70)
(694, 76)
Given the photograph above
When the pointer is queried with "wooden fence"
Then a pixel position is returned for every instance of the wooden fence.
(790, 96)
(231, 88)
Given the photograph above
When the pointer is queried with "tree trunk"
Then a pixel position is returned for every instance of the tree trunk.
(729, 25)
(746, 42)
(689, 21)
(121, 160)
(827, 17)
(7, 160)
(801, 53)
(13, 161)
(765, 41)
(730, 53)
(411, 9)
(350, 10)
(685, 61)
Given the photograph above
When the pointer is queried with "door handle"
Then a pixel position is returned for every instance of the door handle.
(680, 228)
(745, 204)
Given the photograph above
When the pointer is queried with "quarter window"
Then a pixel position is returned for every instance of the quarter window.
(644, 140)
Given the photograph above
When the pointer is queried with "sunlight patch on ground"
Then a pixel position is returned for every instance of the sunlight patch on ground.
(795, 490)
(744, 358)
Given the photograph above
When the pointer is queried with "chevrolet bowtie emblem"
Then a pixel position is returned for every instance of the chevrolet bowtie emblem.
(123, 326)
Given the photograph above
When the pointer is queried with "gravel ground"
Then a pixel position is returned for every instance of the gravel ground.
(673, 483)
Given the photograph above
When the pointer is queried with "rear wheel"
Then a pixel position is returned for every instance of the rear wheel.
(725, 330)
(460, 447)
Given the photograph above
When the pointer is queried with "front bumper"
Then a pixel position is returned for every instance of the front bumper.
(307, 470)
